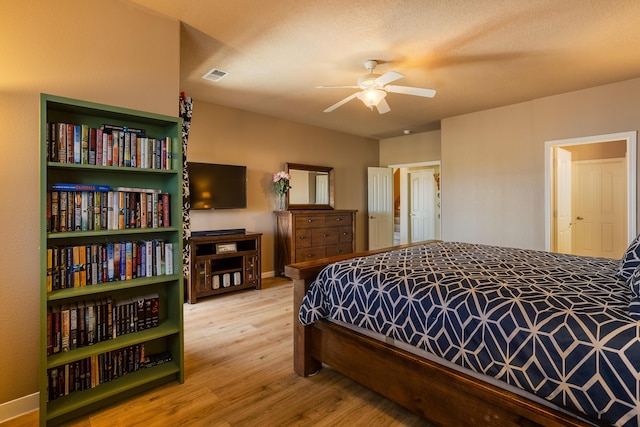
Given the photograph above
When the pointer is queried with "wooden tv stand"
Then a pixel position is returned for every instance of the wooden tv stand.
(223, 263)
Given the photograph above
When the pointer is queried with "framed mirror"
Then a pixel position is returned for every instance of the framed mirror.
(311, 187)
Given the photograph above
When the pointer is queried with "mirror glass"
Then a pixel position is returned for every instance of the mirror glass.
(311, 187)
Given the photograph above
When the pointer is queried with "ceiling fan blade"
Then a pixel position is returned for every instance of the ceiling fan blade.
(389, 77)
(340, 103)
(337, 87)
(407, 90)
(383, 107)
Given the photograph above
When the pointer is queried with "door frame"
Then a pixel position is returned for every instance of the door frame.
(631, 157)
(404, 238)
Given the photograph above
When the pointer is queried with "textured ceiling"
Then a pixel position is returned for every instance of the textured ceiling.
(477, 54)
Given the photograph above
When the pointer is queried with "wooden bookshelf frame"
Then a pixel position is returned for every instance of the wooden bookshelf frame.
(169, 335)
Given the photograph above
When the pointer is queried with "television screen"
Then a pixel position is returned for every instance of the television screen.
(213, 186)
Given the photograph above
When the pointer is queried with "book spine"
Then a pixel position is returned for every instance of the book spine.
(109, 149)
(55, 262)
(168, 254)
(134, 150)
(116, 261)
(121, 148)
(93, 146)
(84, 213)
(65, 326)
(61, 129)
(84, 144)
(59, 186)
(63, 203)
(127, 150)
(55, 212)
(73, 326)
(110, 262)
(115, 142)
(77, 144)
(70, 267)
(70, 143)
(169, 154)
(121, 210)
(99, 147)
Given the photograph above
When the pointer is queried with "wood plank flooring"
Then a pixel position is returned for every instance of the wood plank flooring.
(239, 372)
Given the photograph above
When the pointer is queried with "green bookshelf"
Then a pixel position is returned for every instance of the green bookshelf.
(166, 335)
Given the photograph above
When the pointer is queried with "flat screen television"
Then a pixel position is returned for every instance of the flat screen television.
(215, 186)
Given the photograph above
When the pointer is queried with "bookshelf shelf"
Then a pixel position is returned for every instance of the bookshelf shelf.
(66, 407)
(107, 288)
(84, 284)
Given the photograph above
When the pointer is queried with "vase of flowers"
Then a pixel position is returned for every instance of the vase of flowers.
(281, 184)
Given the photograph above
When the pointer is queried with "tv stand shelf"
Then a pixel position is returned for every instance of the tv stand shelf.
(223, 263)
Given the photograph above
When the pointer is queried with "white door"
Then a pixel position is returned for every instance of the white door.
(422, 200)
(563, 200)
(599, 208)
(380, 207)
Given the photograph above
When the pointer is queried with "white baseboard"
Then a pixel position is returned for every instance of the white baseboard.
(19, 406)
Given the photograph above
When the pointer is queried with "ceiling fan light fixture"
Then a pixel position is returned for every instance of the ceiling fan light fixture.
(371, 97)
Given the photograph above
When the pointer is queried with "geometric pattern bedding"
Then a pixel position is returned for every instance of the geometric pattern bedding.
(556, 325)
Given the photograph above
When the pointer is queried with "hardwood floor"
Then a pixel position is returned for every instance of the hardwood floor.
(239, 372)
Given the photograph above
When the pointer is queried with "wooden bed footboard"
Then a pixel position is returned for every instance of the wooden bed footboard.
(437, 393)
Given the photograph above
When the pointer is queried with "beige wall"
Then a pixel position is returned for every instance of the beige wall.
(493, 161)
(57, 47)
(408, 149)
(264, 144)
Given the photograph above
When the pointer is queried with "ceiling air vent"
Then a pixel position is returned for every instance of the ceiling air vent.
(215, 75)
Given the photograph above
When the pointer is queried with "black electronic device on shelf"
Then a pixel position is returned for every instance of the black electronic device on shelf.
(225, 232)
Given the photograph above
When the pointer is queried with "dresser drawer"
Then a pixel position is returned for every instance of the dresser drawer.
(308, 221)
(303, 238)
(310, 253)
(337, 220)
(345, 248)
(325, 236)
(345, 235)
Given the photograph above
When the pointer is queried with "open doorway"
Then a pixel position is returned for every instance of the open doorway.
(404, 204)
(590, 194)
(417, 217)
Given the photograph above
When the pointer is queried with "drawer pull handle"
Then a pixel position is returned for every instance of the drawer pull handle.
(344, 233)
(309, 221)
(325, 235)
(302, 237)
(339, 219)
(310, 256)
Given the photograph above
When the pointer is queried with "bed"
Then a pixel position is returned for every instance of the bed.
(415, 324)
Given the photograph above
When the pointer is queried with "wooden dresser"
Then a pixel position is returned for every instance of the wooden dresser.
(303, 235)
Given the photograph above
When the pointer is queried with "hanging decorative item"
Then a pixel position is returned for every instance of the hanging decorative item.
(281, 183)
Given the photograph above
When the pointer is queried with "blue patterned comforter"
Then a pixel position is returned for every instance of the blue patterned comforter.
(552, 324)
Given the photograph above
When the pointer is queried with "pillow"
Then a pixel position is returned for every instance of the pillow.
(634, 283)
(634, 286)
(630, 259)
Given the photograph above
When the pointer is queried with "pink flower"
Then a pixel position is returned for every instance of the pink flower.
(281, 175)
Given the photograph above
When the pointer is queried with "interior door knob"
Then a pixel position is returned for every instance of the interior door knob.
(579, 218)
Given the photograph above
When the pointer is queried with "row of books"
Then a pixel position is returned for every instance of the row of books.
(86, 207)
(88, 373)
(93, 264)
(80, 324)
(108, 145)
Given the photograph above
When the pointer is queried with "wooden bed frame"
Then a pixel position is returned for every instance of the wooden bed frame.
(437, 393)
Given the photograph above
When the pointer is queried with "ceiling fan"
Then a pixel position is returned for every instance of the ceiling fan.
(374, 88)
